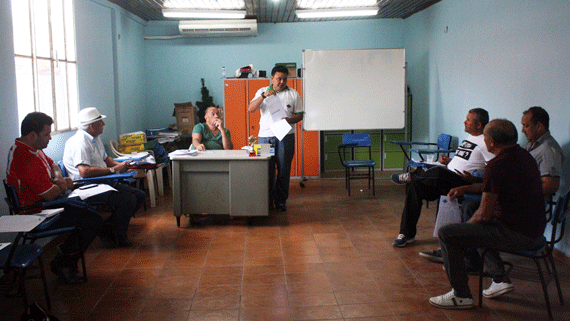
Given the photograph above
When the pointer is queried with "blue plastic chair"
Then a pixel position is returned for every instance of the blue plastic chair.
(18, 257)
(44, 229)
(443, 146)
(352, 142)
(558, 223)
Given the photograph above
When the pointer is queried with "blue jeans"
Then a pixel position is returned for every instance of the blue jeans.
(284, 152)
(125, 202)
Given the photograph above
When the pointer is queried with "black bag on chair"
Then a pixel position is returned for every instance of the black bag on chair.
(36, 313)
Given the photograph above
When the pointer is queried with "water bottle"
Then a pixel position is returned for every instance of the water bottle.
(223, 72)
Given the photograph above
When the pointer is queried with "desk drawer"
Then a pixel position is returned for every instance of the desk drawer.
(205, 166)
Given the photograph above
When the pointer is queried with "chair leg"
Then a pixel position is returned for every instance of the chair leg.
(159, 180)
(151, 189)
(373, 183)
(544, 289)
(43, 275)
(555, 275)
(22, 286)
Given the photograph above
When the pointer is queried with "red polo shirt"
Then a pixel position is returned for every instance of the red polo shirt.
(29, 171)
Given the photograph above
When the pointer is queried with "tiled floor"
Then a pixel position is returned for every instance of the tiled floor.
(329, 257)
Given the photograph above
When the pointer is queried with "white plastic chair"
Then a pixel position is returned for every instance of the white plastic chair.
(149, 173)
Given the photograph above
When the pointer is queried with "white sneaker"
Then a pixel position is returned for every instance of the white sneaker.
(450, 301)
(498, 289)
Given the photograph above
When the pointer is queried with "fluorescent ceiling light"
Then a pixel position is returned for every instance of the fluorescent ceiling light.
(207, 14)
(201, 4)
(316, 4)
(328, 13)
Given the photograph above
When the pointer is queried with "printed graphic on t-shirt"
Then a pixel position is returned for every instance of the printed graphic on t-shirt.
(465, 149)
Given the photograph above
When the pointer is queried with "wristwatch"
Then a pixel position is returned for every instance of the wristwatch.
(112, 169)
(262, 95)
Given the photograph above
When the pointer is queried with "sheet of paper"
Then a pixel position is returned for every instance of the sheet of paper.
(275, 107)
(50, 212)
(19, 223)
(3, 245)
(280, 128)
(86, 193)
(448, 213)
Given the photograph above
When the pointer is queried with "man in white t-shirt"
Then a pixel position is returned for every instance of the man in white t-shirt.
(471, 155)
(290, 101)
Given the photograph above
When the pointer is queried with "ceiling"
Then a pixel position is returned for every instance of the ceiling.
(280, 10)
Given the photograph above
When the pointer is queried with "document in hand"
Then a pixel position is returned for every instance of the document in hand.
(275, 107)
(280, 128)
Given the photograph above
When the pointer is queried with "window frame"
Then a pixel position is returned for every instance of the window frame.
(63, 69)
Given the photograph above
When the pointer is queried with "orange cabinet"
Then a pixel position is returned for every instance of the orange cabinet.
(237, 95)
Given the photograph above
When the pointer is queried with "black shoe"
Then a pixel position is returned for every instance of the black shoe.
(123, 241)
(66, 274)
(107, 237)
(434, 256)
(281, 206)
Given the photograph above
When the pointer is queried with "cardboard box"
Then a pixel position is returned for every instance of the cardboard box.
(291, 66)
(185, 115)
(132, 138)
(128, 149)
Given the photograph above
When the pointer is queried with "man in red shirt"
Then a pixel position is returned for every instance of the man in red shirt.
(37, 178)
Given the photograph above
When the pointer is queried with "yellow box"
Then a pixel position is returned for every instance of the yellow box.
(132, 138)
(128, 149)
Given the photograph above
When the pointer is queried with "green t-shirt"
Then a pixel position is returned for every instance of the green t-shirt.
(209, 140)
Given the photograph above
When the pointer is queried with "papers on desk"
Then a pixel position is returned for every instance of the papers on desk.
(19, 223)
(50, 212)
(3, 245)
(96, 190)
(183, 152)
(133, 157)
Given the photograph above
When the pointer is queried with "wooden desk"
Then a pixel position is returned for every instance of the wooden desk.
(220, 182)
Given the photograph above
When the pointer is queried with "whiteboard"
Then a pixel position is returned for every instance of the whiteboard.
(354, 89)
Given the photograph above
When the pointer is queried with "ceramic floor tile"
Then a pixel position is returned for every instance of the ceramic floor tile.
(329, 257)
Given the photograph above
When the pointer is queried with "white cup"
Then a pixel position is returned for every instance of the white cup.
(430, 158)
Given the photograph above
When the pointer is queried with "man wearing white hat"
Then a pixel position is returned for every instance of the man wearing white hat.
(85, 156)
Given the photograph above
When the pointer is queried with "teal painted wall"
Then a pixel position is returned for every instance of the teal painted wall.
(174, 67)
(504, 56)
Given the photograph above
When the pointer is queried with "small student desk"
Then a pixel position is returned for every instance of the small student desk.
(220, 182)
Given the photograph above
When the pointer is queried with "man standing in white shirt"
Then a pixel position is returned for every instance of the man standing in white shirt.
(285, 148)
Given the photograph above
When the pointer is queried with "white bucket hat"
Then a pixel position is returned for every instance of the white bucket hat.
(89, 115)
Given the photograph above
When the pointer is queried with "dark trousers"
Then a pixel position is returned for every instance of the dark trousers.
(426, 185)
(284, 152)
(456, 238)
(125, 202)
(88, 222)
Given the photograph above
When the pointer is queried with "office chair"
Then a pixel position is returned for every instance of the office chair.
(352, 142)
(558, 223)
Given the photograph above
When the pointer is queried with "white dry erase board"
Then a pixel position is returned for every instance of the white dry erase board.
(354, 89)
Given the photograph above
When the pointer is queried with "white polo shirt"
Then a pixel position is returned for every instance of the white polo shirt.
(291, 103)
(82, 148)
